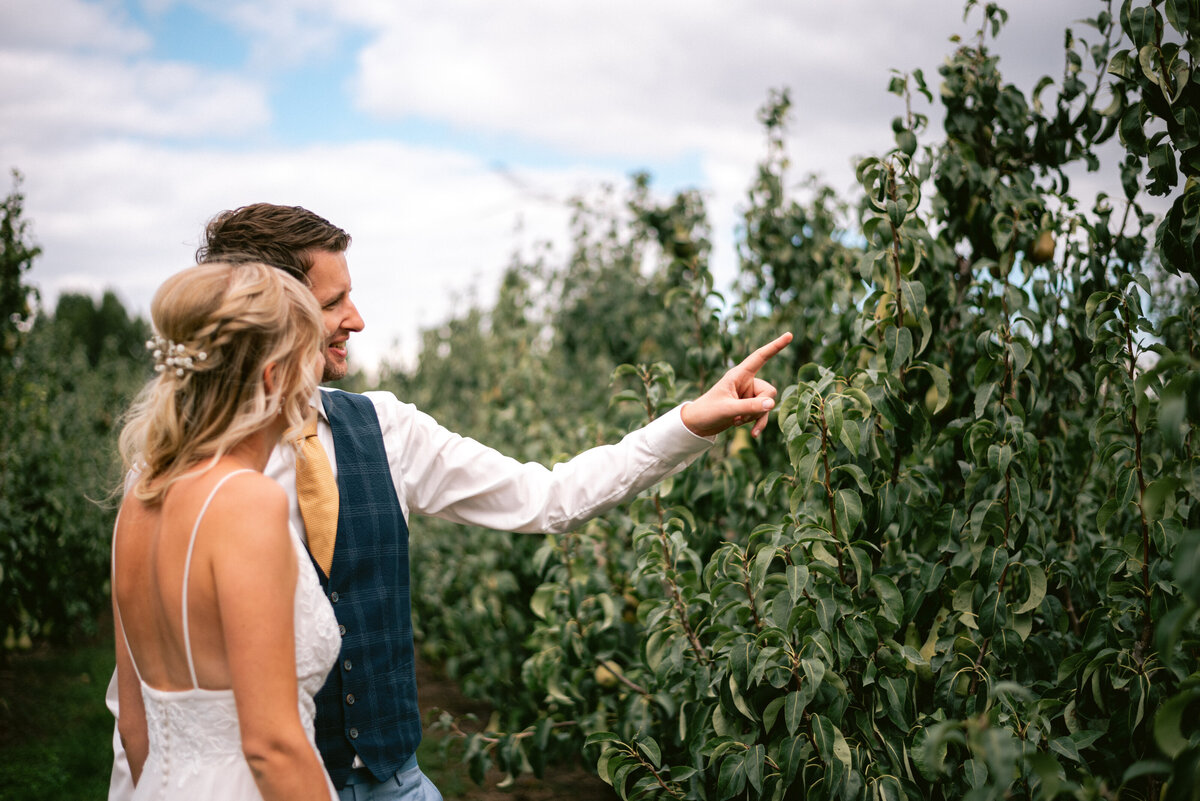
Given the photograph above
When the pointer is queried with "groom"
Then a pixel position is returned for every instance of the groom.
(390, 461)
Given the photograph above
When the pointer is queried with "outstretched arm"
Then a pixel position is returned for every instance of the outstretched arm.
(439, 473)
(738, 397)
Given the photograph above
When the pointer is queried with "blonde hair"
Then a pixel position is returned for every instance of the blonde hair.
(232, 321)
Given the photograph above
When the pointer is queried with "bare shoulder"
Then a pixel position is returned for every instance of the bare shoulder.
(249, 505)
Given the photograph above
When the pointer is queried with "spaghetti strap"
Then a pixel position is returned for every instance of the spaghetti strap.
(187, 568)
(112, 581)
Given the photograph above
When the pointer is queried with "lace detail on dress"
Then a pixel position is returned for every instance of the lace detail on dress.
(190, 731)
(317, 639)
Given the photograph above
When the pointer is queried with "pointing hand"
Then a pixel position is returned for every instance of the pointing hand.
(738, 397)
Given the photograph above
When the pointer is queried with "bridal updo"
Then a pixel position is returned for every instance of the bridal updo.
(217, 327)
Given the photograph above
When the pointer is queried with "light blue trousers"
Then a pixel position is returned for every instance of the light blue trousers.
(409, 784)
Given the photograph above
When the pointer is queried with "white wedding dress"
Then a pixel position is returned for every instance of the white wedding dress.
(195, 745)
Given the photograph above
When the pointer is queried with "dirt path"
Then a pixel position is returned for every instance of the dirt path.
(451, 777)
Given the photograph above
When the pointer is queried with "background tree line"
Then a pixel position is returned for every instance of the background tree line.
(65, 378)
(964, 564)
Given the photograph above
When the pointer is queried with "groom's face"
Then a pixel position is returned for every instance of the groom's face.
(329, 280)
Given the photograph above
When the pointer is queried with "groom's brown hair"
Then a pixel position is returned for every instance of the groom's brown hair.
(281, 236)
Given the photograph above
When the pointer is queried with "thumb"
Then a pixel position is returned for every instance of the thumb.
(751, 406)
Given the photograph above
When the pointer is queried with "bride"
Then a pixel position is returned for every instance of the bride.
(223, 634)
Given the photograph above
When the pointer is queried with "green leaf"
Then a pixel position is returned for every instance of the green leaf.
(1037, 588)
(793, 753)
(1159, 495)
(1021, 355)
(941, 384)
(1066, 746)
(890, 599)
(862, 635)
(609, 607)
(543, 600)
(1105, 514)
(649, 747)
(992, 564)
(741, 654)
(793, 711)
(603, 765)
(771, 712)
(904, 348)
(601, 737)
(797, 580)
(982, 396)
(931, 749)
(855, 472)
(1121, 65)
(1093, 302)
(732, 778)
(848, 508)
(1148, 61)
(658, 646)
(756, 757)
(913, 293)
(740, 701)
(814, 674)
(975, 772)
(1049, 772)
(1168, 723)
(831, 743)
(722, 724)
(963, 602)
(993, 613)
(1146, 767)
(760, 565)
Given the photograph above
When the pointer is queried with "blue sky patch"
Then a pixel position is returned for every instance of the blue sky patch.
(311, 101)
(184, 33)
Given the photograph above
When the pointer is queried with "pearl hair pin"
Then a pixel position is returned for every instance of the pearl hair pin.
(174, 356)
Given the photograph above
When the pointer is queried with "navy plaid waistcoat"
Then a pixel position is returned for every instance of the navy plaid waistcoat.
(368, 705)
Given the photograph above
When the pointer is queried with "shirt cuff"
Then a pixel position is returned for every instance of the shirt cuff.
(668, 437)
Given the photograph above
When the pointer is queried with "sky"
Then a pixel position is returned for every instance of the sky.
(444, 135)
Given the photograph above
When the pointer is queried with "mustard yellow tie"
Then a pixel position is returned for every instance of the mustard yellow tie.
(318, 495)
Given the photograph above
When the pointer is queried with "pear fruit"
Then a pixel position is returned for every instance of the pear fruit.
(605, 676)
(1043, 248)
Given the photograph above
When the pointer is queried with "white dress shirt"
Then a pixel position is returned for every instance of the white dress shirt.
(438, 473)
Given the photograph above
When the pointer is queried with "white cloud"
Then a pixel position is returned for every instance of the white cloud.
(49, 98)
(639, 79)
(426, 224)
(651, 81)
(68, 24)
(127, 156)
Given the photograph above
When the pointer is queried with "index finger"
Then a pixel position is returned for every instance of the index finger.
(758, 358)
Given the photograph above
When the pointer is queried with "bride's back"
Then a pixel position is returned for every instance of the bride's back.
(151, 555)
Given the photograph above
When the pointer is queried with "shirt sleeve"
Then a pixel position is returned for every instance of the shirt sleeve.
(442, 474)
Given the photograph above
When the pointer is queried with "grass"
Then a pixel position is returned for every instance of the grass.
(55, 732)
